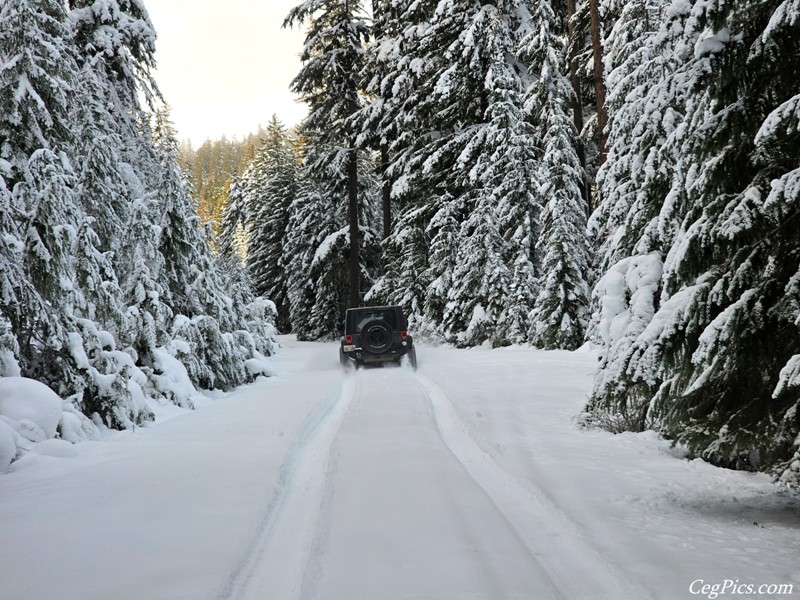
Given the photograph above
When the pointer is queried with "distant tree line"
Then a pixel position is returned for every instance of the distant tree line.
(549, 173)
(212, 166)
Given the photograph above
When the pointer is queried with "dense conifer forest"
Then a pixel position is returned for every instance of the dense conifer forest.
(109, 291)
(551, 173)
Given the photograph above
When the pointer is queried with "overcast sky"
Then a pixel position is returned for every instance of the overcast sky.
(224, 66)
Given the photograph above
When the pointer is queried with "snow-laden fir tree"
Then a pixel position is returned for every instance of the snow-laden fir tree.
(459, 141)
(392, 77)
(117, 39)
(475, 308)
(444, 231)
(37, 81)
(20, 304)
(231, 239)
(272, 181)
(404, 281)
(560, 317)
(205, 317)
(644, 116)
(101, 187)
(738, 250)
(37, 87)
(317, 246)
(332, 60)
(98, 243)
(703, 360)
(634, 225)
(393, 74)
(496, 163)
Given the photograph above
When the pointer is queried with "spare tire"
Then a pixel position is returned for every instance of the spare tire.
(376, 336)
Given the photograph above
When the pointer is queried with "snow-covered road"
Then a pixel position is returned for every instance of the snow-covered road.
(464, 480)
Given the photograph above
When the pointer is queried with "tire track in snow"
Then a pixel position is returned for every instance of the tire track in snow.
(275, 564)
(556, 545)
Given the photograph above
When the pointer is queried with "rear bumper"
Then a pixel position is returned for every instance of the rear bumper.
(359, 355)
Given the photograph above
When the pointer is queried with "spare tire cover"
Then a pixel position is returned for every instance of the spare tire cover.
(376, 336)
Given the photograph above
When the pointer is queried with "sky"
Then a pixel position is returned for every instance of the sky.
(224, 66)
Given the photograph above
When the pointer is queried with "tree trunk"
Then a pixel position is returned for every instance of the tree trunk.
(577, 107)
(352, 197)
(599, 83)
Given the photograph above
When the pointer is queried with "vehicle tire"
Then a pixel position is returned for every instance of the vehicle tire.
(376, 336)
(412, 358)
(344, 361)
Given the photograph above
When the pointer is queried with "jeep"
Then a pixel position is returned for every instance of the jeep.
(375, 335)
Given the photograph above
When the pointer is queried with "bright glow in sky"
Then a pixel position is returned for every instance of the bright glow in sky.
(224, 66)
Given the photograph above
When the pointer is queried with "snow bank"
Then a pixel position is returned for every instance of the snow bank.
(8, 445)
(32, 416)
(29, 413)
(23, 399)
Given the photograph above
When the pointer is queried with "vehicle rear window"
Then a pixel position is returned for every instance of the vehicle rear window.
(361, 318)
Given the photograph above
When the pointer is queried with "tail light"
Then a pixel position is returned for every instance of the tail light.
(403, 335)
(348, 339)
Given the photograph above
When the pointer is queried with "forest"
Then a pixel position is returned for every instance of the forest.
(616, 173)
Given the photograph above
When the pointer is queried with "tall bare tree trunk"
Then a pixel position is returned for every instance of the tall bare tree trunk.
(577, 107)
(599, 82)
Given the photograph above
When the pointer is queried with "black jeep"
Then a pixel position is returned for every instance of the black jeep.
(376, 334)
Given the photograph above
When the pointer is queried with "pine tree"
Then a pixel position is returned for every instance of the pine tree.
(21, 306)
(465, 147)
(273, 182)
(37, 82)
(559, 319)
(298, 252)
(475, 308)
(739, 250)
(316, 252)
(101, 188)
(636, 223)
(333, 57)
(117, 38)
(404, 281)
(444, 233)
(230, 241)
(698, 354)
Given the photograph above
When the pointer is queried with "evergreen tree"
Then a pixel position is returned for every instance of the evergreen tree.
(101, 188)
(394, 72)
(274, 184)
(333, 57)
(317, 246)
(701, 359)
(36, 91)
(117, 38)
(471, 149)
(444, 233)
(301, 245)
(475, 310)
(404, 282)
(231, 240)
(641, 188)
(21, 306)
(559, 319)
(37, 83)
(739, 251)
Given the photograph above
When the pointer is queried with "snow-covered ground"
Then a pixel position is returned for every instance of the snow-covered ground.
(465, 480)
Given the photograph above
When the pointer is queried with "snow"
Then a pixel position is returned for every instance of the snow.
(465, 479)
(9, 440)
(26, 400)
